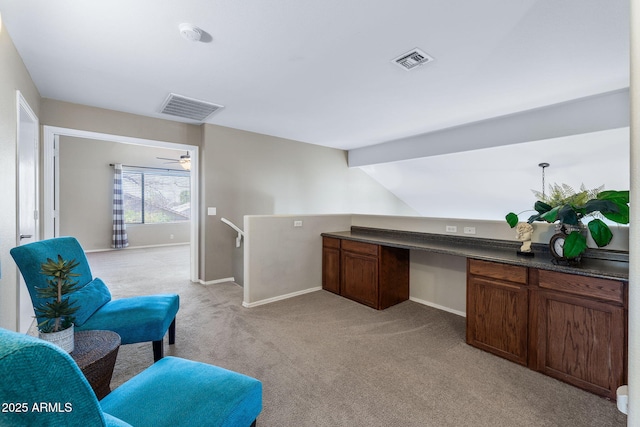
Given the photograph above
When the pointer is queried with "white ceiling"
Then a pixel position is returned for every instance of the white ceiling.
(321, 71)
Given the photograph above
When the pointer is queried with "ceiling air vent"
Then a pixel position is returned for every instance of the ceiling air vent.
(189, 108)
(413, 58)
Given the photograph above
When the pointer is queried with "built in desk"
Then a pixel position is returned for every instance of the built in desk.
(568, 322)
(596, 263)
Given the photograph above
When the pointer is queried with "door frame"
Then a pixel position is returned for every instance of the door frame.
(51, 190)
(24, 307)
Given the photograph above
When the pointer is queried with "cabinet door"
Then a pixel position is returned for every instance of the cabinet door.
(331, 270)
(580, 341)
(331, 265)
(497, 317)
(360, 278)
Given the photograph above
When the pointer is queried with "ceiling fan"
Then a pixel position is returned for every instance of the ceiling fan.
(184, 161)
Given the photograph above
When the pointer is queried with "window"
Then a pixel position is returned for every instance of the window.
(156, 196)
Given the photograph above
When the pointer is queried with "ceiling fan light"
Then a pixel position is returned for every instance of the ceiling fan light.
(185, 163)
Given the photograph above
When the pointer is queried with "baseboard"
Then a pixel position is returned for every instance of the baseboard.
(280, 298)
(215, 282)
(137, 247)
(439, 307)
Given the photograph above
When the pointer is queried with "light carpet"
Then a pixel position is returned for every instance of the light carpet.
(327, 361)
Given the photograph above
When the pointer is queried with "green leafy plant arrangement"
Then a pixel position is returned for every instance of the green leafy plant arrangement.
(569, 207)
(57, 310)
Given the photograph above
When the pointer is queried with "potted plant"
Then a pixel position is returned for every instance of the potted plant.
(56, 310)
(569, 208)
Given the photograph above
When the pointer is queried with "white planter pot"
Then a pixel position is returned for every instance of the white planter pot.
(63, 339)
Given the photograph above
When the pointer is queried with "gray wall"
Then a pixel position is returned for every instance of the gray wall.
(437, 280)
(86, 182)
(245, 173)
(14, 76)
(74, 116)
(284, 261)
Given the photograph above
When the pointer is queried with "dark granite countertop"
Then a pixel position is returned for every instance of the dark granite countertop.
(595, 263)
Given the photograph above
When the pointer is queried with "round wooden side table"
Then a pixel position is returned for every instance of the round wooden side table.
(95, 353)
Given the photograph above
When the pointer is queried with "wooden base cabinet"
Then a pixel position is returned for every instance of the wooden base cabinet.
(578, 330)
(373, 275)
(567, 326)
(497, 309)
(360, 280)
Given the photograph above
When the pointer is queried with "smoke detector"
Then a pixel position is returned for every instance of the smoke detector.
(188, 108)
(190, 32)
(412, 59)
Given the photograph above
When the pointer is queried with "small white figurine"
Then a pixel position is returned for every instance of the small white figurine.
(524, 231)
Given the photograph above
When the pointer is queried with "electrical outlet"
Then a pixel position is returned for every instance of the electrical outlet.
(451, 229)
(297, 223)
(171, 236)
(469, 230)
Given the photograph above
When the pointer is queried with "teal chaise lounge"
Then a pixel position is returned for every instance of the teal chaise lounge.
(41, 385)
(135, 319)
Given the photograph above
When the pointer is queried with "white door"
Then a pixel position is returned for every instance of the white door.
(28, 217)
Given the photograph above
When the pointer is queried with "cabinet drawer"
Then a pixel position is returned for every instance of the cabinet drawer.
(511, 273)
(359, 247)
(330, 242)
(602, 289)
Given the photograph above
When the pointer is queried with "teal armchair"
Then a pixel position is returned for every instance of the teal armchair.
(41, 385)
(135, 319)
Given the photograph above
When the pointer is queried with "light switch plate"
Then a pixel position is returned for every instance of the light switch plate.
(211, 211)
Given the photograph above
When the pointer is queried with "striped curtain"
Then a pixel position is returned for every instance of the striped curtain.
(119, 239)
